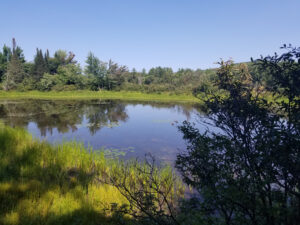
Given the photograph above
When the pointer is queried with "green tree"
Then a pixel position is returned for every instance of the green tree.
(15, 72)
(60, 58)
(97, 70)
(48, 81)
(247, 170)
(161, 74)
(5, 57)
(115, 75)
(71, 74)
(40, 65)
(134, 77)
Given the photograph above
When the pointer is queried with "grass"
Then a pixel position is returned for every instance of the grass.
(120, 95)
(45, 184)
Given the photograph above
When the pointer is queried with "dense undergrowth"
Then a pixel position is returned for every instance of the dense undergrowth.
(68, 184)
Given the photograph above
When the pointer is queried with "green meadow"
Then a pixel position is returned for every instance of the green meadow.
(121, 95)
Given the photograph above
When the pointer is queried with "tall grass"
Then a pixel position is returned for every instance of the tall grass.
(122, 95)
(45, 184)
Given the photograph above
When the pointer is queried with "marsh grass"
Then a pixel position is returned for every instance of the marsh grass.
(45, 184)
(119, 95)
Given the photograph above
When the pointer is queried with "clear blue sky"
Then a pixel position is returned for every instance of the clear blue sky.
(148, 33)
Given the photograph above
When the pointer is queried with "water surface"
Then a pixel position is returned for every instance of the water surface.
(133, 128)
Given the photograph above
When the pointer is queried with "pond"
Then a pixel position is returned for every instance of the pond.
(125, 129)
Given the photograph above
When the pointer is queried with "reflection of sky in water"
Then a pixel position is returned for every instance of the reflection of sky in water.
(147, 129)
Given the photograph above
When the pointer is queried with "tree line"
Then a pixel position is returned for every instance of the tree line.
(61, 72)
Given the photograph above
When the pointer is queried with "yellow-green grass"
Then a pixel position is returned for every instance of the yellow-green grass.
(45, 184)
(121, 95)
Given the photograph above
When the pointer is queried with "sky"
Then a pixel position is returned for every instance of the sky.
(149, 33)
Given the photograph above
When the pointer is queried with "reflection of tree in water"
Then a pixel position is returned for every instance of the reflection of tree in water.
(68, 115)
(46, 114)
(108, 113)
(62, 115)
(186, 109)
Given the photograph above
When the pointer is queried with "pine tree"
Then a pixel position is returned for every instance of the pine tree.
(47, 57)
(5, 57)
(15, 71)
(40, 65)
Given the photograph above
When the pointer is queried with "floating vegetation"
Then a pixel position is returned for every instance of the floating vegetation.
(99, 125)
(116, 153)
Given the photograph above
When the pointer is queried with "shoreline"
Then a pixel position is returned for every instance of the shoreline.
(114, 95)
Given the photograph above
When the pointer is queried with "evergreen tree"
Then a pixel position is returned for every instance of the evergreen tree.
(5, 57)
(97, 69)
(40, 65)
(15, 71)
(47, 58)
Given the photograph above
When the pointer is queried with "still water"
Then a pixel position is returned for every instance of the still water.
(126, 129)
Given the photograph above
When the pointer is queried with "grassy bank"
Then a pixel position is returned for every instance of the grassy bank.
(66, 184)
(121, 95)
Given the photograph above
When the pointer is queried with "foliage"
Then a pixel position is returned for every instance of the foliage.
(152, 193)
(97, 75)
(48, 81)
(40, 65)
(71, 75)
(97, 70)
(28, 84)
(115, 75)
(60, 58)
(5, 57)
(247, 172)
(100, 75)
(15, 72)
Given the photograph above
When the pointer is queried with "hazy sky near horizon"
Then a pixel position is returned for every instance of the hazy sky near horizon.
(148, 33)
